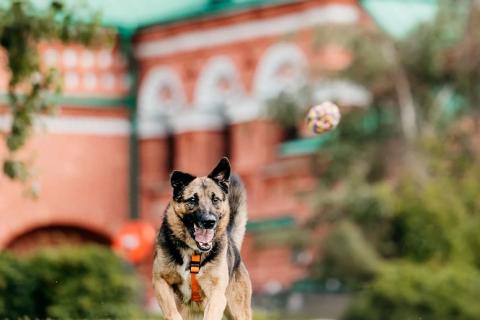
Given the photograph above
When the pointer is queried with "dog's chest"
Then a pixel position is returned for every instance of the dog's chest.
(185, 288)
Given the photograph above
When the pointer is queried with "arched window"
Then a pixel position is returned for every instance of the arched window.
(218, 84)
(53, 236)
(281, 69)
(161, 93)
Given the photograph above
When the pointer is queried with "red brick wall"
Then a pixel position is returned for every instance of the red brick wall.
(253, 144)
(82, 179)
(197, 152)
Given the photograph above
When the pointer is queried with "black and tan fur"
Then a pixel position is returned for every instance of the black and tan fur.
(218, 202)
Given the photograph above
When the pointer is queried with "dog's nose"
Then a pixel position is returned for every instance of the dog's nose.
(208, 222)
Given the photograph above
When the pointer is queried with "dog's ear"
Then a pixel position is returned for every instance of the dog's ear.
(179, 180)
(221, 174)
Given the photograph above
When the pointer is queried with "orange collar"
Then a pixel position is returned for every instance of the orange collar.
(194, 269)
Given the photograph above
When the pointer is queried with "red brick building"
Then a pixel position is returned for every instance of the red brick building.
(202, 90)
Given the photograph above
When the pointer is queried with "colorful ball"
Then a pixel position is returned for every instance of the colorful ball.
(134, 240)
(323, 117)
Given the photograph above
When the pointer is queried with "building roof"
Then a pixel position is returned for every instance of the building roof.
(130, 15)
(396, 17)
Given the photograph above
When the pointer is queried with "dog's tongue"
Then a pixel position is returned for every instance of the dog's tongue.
(204, 235)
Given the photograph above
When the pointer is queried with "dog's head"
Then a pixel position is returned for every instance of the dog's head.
(201, 203)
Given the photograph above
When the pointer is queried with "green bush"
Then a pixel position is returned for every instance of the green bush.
(16, 289)
(348, 256)
(71, 282)
(412, 291)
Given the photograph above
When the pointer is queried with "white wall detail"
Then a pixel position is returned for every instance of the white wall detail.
(218, 84)
(281, 69)
(161, 93)
(101, 126)
(194, 40)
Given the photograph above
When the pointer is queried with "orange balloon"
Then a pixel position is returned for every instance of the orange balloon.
(134, 241)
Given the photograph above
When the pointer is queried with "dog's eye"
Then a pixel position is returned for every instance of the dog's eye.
(192, 201)
(215, 200)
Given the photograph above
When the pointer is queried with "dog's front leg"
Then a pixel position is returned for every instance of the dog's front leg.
(166, 299)
(216, 304)
(215, 292)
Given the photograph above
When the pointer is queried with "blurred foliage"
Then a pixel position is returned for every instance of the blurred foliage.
(289, 109)
(68, 283)
(372, 64)
(426, 214)
(403, 216)
(411, 291)
(30, 88)
(429, 75)
(359, 136)
(346, 247)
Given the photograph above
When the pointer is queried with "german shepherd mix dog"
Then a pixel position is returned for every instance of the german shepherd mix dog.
(197, 271)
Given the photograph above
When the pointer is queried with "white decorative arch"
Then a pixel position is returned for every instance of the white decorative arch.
(161, 93)
(218, 84)
(281, 69)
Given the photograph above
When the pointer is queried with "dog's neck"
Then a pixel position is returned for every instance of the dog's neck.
(206, 257)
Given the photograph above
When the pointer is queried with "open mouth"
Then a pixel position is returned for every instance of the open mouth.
(203, 237)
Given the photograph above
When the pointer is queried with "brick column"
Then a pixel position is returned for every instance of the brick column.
(254, 137)
(154, 166)
(199, 140)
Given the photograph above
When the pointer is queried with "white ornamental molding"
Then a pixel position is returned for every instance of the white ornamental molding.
(153, 128)
(194, 40)
(245, 110)
(196, 120)
(218, 84)
(70, 58)
(281, 69)
(101, 126)
(161, 93)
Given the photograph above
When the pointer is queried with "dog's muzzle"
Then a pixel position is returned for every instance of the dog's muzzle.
(204, 230)
(207, 221)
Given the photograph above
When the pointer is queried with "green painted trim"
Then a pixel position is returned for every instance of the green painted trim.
(134, 187)
(270, 224)
(134, 168)
(126, 45)
(78, 101)
(305, 146)
(102, 102)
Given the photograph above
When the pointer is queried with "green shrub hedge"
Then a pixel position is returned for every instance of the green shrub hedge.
(71, 282)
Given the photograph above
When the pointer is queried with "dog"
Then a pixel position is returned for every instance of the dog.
(197, 270)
